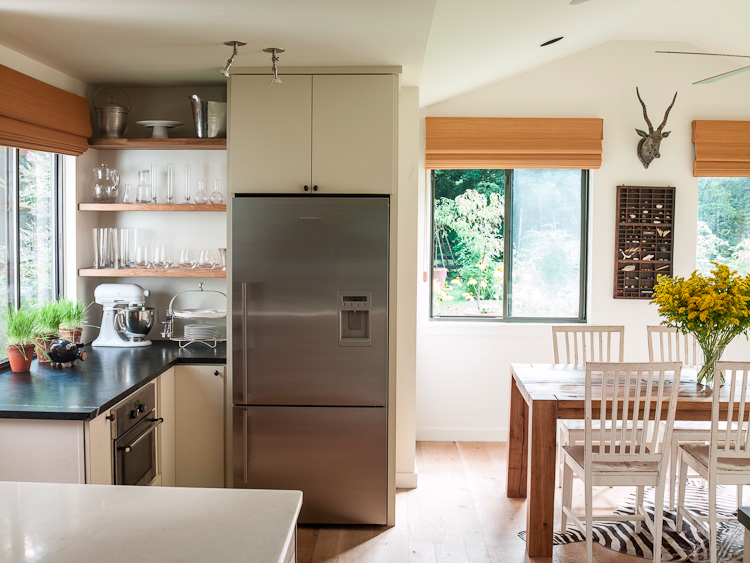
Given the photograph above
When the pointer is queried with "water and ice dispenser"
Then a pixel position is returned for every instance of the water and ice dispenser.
(354, 318)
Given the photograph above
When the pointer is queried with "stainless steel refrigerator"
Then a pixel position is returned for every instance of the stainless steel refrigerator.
(310, 351)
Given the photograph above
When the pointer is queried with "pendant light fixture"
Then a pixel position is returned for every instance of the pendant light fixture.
(230, 61)
(274, 60)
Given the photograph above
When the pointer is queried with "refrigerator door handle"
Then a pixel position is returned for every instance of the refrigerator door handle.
(244, 342)
(245, 448)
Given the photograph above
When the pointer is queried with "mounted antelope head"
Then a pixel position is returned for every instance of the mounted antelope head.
(648, 146)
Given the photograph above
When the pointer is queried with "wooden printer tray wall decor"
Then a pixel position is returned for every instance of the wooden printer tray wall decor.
(644, 240)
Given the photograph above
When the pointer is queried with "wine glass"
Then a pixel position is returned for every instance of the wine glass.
(160, 257)
(142, 259)
(210, 259)
(189, 259)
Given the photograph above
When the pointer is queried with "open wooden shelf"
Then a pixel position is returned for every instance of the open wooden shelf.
(149, 273)
(158, 144)
(150, 207)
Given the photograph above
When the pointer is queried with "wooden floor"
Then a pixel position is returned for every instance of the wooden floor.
(459, 514)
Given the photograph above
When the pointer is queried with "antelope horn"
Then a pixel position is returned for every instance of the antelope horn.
(666, 115)
(645, 115)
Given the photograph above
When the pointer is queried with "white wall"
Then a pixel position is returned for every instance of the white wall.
(463, 367)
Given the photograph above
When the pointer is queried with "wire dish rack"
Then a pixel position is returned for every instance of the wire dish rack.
(189, 326)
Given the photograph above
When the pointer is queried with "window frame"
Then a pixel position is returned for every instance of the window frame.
(508, 260)
(14, 233)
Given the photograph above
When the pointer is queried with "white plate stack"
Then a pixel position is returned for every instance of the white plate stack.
(198, 331)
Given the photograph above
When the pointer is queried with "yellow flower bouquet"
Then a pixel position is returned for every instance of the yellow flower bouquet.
(713, 308)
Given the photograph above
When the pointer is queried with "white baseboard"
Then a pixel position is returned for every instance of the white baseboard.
(406, 480)
(462, 434)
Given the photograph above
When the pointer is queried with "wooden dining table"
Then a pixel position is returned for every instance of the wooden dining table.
(540, 395)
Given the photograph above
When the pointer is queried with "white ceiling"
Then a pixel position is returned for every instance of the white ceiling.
(444, 46)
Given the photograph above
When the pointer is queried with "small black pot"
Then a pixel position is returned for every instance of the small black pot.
(63, 352)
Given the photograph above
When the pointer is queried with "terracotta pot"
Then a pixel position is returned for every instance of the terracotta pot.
(71, 335)
(42, 347)
(20, 357)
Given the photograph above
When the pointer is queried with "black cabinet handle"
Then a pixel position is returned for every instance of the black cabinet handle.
(216, 372)
(307, 188)
(315, 188)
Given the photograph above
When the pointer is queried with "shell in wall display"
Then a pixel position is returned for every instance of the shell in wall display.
(628, 268)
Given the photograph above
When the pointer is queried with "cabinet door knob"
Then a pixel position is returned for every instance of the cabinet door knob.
(315, 188)
(216, 372)
(307, 188)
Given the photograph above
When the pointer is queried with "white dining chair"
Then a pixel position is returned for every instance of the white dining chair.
(726, 459)
(667, 344)
(577, 345)
(628, 453)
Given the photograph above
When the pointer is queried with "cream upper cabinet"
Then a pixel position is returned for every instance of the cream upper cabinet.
(331, 133)
(269, 140)
(353, 133)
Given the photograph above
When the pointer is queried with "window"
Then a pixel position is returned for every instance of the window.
(723, 223)
(29, 227)
(509, 244)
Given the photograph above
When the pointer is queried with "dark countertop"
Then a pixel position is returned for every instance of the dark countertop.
(91, 387)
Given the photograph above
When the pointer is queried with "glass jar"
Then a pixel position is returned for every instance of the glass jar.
(105, 184)
(143, 190)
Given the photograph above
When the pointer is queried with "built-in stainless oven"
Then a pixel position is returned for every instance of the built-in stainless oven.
(134, 433)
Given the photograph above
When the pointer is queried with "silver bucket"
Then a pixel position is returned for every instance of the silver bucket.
(209, 118)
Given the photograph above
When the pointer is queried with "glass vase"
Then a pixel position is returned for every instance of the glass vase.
(711, 354)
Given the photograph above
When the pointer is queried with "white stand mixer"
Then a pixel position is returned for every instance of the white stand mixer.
(117, 299)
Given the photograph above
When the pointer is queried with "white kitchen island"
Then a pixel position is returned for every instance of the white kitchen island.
(77, 523)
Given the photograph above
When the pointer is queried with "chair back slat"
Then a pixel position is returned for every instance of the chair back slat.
(667, 344)
(741, 414)
(588, 344)
(732, 441)
(632, 394)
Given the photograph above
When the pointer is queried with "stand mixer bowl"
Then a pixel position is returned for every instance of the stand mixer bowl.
(135, 322)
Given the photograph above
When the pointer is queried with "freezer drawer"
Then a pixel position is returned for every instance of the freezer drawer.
(337, 456)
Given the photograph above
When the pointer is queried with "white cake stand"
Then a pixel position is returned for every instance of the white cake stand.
(160, 127)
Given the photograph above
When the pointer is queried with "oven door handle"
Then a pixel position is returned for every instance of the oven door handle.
(156, 422)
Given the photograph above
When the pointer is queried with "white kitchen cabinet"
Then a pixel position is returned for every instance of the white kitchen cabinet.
(331, 133)
(199, 392)
(269, 134)
(166, 431)
(353, 133)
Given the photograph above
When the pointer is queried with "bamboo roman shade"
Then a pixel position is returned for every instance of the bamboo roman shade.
(502, 142)
(35, 115)
(722, 148)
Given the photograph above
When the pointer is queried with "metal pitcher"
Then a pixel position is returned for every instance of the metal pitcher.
(209, 118)
(112, 118)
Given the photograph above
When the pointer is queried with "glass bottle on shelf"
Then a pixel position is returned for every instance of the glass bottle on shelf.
(127, 194)
(187, 183)
(217, 197)
(143, 190)
(170, 183)
(201, 196)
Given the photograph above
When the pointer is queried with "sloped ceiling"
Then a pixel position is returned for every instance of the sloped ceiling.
(476, 42)
(445, 46)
